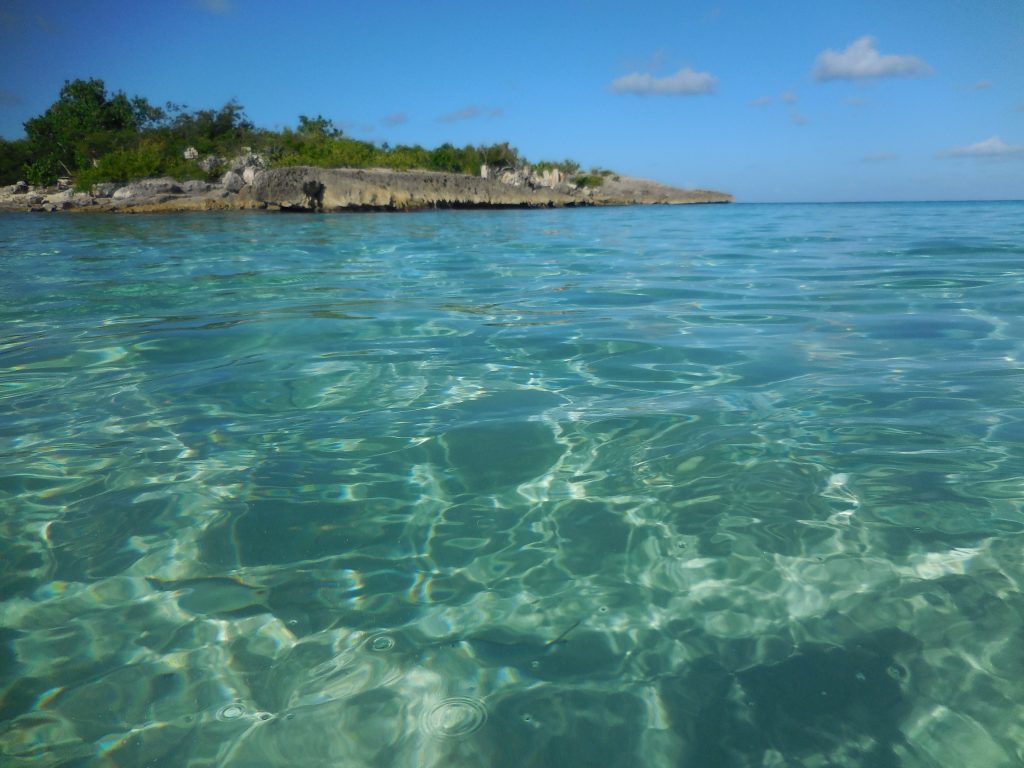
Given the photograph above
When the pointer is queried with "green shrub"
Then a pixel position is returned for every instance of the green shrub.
(568, 167)
(403, 158)
(498, 156)
(296, 148)
(150, 157)
(589, 180)
(43, 171)
(14, 156)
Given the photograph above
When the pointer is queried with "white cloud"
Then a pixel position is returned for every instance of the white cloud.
(685, 82)
(762, 101)
(992, 147)
(395, 118)
(789, 97)
(861, 60)
(981, 85)
(879, 157)
(797, 119)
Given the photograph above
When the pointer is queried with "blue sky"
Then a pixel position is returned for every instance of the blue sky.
(772, 101)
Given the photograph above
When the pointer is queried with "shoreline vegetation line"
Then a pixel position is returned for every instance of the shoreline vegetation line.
(100, 152)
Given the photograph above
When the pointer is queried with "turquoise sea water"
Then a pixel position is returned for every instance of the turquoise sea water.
(697, 486)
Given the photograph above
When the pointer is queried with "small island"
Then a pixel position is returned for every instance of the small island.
(92, 151)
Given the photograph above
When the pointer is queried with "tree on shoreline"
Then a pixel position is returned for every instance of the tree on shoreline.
(83, 124)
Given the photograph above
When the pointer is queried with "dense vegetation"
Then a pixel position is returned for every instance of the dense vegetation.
(91, 136)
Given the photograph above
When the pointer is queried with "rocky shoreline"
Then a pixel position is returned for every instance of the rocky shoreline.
(345, 189)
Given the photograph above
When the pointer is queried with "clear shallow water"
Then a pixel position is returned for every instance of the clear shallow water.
(699, 486)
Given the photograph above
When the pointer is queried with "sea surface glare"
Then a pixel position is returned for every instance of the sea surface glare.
(335, 490)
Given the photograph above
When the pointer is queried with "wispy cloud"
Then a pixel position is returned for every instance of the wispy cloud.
(798, 119)
(879, 157)
(466, 113)
(395, 118)
(855, 101)
(685, 82)
(218, 7)
(471, 112)
(861, 60)
(10, 99)
(762, 101)
(991, 147)
(981, 85)
(789, 97)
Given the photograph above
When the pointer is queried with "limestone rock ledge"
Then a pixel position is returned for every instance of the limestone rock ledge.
(339, 189)
(303, 188)
(145, 196)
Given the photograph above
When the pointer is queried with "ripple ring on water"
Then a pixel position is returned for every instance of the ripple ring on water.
(455, 717)
(381, 643)
(231, 712)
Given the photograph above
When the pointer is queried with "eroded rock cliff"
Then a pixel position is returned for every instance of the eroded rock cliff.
(338, 189)
(346, 189)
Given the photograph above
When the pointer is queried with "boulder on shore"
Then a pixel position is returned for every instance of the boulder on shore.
(232, 181)
(104, 189)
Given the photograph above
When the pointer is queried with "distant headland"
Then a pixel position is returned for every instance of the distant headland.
(91, 151)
